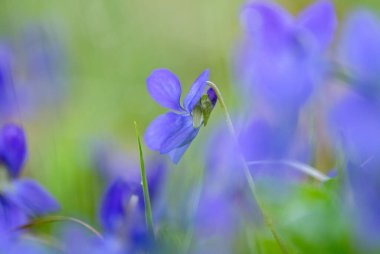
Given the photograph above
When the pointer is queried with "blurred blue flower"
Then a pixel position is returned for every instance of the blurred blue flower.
(359, 52)
(117, 199)
(6, 80)
(172, 133)
(121, 215)
(13, 150)
(20, 199)
(355, 124)
(281, 56)
(122, 211)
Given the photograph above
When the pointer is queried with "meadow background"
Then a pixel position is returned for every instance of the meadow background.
(106, 51)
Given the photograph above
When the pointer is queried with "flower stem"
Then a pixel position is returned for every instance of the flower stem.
(144, 181)
(59, 218)
(247, 173)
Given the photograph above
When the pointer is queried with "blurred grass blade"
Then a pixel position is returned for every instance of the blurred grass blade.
(304, 168)
(144, 181)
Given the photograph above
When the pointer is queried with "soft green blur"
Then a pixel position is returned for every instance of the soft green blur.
(112, 47)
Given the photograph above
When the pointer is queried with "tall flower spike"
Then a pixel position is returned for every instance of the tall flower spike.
(172, 133)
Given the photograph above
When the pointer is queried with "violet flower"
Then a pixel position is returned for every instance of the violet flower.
(281, 56)
(20, 199)
(122, 217)
(355, 125)
(173, 132)
(359, 52)
(12, 148)
(122, 211)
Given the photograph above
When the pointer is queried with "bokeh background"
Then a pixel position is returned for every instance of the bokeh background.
(80, 69)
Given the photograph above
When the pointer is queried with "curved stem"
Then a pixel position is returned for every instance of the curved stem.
(247, 173)
(59, 218)
(304, 168)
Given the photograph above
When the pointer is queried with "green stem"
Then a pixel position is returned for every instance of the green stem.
(148, 208)
(59, 218)
(247, 173)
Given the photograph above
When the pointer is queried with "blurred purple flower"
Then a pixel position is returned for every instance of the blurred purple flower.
(20, 199)
(6, 80)
(122, 209)
(281, 56)
(121, 215)
(117, 203)
(359, 52)
(172, 133)
(355, 122)
(13, 150)
(355, 125)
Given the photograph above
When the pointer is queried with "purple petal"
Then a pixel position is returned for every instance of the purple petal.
(196, 91)
(32, 198)
(160, 130)
(267, 23)
(13, 148)
(170, 131)
(176, 154)
(11, 216)
(320, 20)
(184, 133)
(165, 89)
(212, 96)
